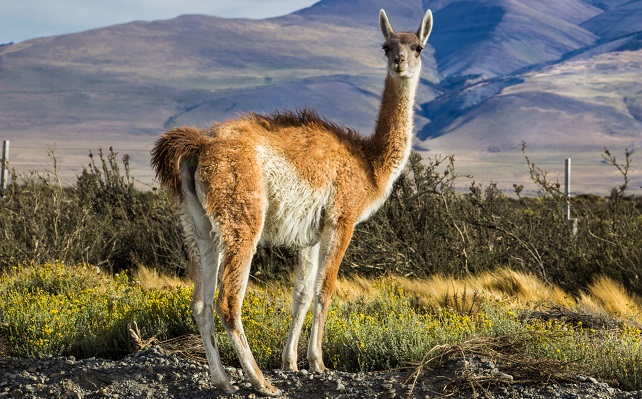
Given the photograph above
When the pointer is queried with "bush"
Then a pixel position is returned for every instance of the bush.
(100, 220)
(388, 331)
(426, 227)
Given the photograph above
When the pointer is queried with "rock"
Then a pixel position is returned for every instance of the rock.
(505, 377)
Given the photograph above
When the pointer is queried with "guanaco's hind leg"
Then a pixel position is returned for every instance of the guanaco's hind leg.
(237, 207)
(236, 270)
(301, 298)
(205, 260)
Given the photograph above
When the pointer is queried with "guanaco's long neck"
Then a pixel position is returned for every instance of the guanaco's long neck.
(392, 140)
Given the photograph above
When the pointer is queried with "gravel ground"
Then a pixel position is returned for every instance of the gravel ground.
(153, 373)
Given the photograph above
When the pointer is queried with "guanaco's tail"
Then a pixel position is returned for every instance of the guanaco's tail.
(175, 158)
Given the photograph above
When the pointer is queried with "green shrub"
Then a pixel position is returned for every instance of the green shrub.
(100, 220)
(426, 227)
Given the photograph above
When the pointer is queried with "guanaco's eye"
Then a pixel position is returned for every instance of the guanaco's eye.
(386, 49)
(419, 49)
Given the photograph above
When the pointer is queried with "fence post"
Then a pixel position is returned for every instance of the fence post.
(567, 188)
(567, 193)
(4, 172)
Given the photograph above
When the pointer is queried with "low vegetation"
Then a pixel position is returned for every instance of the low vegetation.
(374, 324)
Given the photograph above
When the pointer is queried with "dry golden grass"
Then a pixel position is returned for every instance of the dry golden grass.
(504, 284)
(151, 279)
(609, 297)
(354, 287)
(603, 297)
(522, 287)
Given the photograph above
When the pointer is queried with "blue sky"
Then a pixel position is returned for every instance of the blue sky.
(26, 19)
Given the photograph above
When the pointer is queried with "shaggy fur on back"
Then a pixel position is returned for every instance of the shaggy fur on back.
(305, 117)
(184, 144)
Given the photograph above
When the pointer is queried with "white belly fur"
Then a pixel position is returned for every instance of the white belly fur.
(294, 215)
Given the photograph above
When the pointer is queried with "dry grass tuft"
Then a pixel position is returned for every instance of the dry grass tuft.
(607, 296)
(350, 288)
(189, 346)
(523, 287)
(152, 279)
(504, 285)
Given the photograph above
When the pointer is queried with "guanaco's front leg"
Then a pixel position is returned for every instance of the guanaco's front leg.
(334, 242)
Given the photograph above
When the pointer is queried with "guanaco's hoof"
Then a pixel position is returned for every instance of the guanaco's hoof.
(229, 388)
(289, 367)
(318, 369)
(270, 390)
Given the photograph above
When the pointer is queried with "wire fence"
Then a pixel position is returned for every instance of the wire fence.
(594, 176)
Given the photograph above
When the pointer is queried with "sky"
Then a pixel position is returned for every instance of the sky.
(27, 19)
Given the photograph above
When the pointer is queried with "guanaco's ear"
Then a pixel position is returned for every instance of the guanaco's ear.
(425, 28)
(385, 26)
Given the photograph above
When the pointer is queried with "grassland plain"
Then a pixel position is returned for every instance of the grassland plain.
(529, 333)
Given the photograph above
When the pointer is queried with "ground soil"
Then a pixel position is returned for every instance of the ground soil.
(154, 373)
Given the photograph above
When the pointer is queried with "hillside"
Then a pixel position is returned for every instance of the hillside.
(497, 72)
(473, 36)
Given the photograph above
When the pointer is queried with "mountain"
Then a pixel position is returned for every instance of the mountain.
(563, 76)
(496, 37)
(619, 20)
(566, 98)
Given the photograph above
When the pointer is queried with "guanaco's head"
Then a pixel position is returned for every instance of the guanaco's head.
(403, 49)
